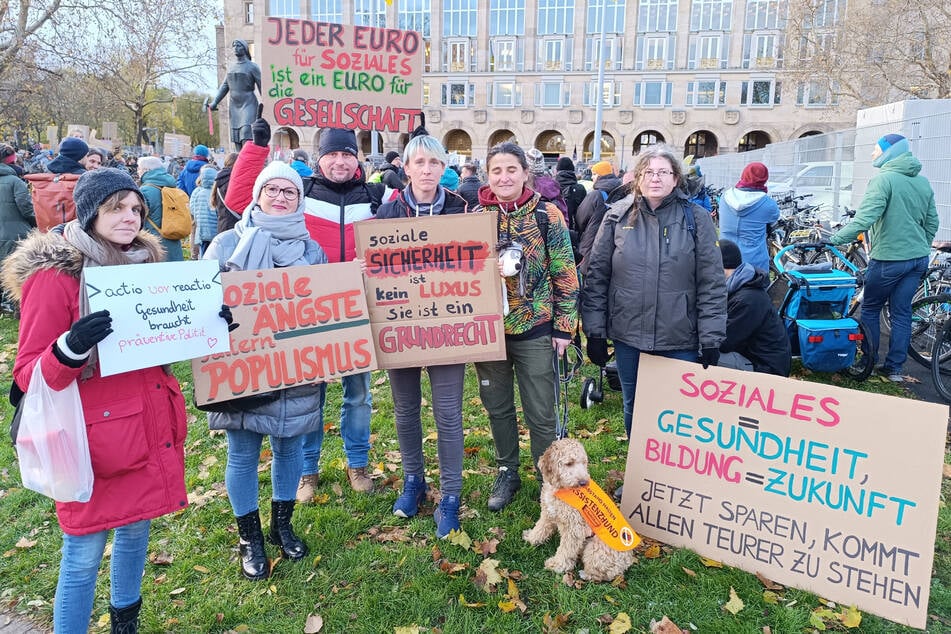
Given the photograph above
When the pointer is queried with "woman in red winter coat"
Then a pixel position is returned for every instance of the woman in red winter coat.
(135, 421)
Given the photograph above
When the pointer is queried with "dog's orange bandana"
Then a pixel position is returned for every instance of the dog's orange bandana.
(601, 514)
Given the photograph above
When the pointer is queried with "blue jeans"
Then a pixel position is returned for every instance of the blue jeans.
(241, 473)
(628, 358)
(79, 566)
(894, 282)
(354, 426)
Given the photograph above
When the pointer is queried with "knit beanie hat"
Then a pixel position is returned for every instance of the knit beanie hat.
(754, 176)
(74, 148)
(336, 140)
(201, 150)
(536, 161)
(300, 155)
(94, 187)
(7, 154)
(149, 163)
(392, 154)
(602, 168)
(892, 145)
(564, 164)
(278, 169)
(207, 176)
(732, 258)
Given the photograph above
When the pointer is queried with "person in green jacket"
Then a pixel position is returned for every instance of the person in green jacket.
(153, 177)
(899, 211)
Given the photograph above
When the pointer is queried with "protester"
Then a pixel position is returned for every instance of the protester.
(270, 234)
(94, 159)
(695, 184)
(392, 172)
(899, 209)
(300, 161)
(153, 177)
(16, 212)
(72, 150)
(756, 339)
(424, 161)
(655, 278)
(469, 186)
(540, 181)
(450, 179)
(571, 190)
(226, 217)
(592, 209)
(745, 211)
(188, 176)
(205, 225)
(135, 420)
(543, 315)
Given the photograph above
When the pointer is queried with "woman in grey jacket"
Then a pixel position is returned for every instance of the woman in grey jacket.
(655, 277)
(270, 234)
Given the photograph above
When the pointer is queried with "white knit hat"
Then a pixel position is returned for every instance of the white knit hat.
(149, 163)
(278, 169)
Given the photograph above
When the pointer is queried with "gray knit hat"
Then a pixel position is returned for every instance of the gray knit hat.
(94, 187)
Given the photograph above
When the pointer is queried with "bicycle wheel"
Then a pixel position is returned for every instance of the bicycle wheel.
(861, 367)
(928, 316)
(941, 362)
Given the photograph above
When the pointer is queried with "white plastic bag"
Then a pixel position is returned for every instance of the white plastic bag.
(52, 447)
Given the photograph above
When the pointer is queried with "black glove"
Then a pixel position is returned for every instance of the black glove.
(261, 132)
(88, 331)
(598, 351)
(709, 356)
(225, 313)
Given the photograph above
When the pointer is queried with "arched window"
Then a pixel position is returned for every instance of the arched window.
(646, 138)
(607, 146)
(550, 142)
(755, 140)
(501, 136)
(701, 143)
(458, 141)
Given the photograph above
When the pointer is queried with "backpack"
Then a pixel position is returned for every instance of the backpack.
(52, 196)
(176, 219)
(573, 195)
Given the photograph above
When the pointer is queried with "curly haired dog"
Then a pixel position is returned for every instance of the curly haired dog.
(565, 465)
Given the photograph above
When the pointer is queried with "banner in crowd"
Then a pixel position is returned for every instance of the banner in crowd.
(814, 486)
(157, 322)
(325, 75)
(433, 289)
(295, 326)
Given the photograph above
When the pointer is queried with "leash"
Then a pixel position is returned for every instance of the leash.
(565, 370)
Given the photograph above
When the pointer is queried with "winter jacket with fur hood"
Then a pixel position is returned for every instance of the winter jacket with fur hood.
(135, 420)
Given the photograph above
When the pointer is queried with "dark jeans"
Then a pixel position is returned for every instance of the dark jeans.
(894, 282)
(628, 358)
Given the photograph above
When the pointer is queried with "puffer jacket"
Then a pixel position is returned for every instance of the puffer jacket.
(404, 206)
(744, 214)
(135, 421)
(655, 285)
(152, 182)
(202, 209)
(16, 210)
(189, 175)
(297, 410)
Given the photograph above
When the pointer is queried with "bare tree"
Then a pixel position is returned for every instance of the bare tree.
(19, 22)
(876, 51)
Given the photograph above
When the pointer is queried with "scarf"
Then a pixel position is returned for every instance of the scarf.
(431, 209)
(97, 254)
(267, 241)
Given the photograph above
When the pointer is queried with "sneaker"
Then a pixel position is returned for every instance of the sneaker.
(506, 484)
(414, 492)
(359, 480)
(307, 488)
(895, 377)
(447, 516)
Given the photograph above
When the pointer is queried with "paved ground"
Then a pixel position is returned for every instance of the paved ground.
(13, 624)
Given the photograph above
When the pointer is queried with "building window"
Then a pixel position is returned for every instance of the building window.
(507, 17)
(459, 18)
(821, 44)
(613, 52)
(458, 94)
(817, 94)
(655, 52)
(765, 14)
(710, 15)
(647, 138)
(613, 16)
(760, 92)
(610, 94)
(762, 50)
(825, 14)
(707, 51)
(706, 92)
(505, 94)
(249, 13)
(552, 94)
(653, 93)
(283, 8)
(505, 55)
(326, 11)
(556, 17)
(701, 144)
(458, 56)
(426, 89)
(414, 15)
(554, 54)
(657, 15)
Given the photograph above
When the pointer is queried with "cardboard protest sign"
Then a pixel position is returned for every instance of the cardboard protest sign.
(433, 289)
(296, 326)
(319, 74)
(157, 322)
(814, 486)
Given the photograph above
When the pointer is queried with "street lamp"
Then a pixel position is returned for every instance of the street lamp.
(599, 108)
(623, 150)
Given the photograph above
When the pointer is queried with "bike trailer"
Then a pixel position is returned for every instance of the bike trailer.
(826, 345)
(825, 295)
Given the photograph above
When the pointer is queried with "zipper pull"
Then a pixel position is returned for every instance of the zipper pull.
(667, 240)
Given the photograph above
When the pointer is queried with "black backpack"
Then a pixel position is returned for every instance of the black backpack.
(573, 195)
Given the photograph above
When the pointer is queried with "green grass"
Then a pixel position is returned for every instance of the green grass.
(371, 572)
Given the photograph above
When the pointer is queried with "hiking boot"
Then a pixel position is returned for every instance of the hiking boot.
(447, 516)
(414, 492)
(282, 533)
(506, 484)
(359, 480)
(307, 488)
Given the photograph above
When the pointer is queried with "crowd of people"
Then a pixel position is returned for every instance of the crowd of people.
(633, 261)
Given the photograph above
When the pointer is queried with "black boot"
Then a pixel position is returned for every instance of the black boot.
(125, 620)
(282, 533)
(254, 563)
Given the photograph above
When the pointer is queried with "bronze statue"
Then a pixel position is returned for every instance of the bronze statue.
(241, 80)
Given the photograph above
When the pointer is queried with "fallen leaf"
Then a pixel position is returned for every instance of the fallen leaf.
(553, 624)
(665, 626)
(459, 538)
(652, 552)
(23, 542)
(449, 567)
(819, 616)
(313, 624)
(710, 563)
(337, 489)
(485, 548)
(487, 576)
(201, 569)
(161, 559)
(768, 583)
(621, 624)
(176, 592)
(507, 606)
(767, 629)
(735, 604)
(689, 572)
(770, 597)
(467, 604)
(103, 620)
(407, 629)
(946, 470)
(850, 617)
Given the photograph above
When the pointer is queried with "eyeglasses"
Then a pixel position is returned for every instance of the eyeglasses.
(650, 174)
(290, 193)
